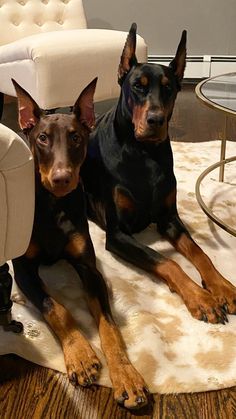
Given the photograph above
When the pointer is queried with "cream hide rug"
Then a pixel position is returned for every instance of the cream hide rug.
(173, 352)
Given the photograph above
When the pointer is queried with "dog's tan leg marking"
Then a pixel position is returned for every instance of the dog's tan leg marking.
(32, 250)
(81, 361)
(170, 200)
(222, 290)
(129, 387)
(199, 302)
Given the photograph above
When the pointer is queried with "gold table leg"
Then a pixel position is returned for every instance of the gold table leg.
(222, 151)
(208, 211)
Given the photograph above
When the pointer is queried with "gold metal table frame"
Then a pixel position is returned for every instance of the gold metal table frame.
(223, 161)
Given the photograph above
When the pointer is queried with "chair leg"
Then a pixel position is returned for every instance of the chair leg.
(6, 303)
(1, 104)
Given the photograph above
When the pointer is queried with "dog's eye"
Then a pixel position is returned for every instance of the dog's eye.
(75, 138)
(139, 86)
(42, 138)
(168, 89)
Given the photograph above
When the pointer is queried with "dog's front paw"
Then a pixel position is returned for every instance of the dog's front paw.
(130, 389)
(83, 366)
(203, 306)
(224, 293)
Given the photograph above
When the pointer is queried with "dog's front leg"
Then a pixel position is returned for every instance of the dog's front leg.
(222, 290)
(199, 302)
(81, 361)
(129, 387)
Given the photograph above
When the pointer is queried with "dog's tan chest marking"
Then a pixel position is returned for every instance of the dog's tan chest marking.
(123, 201)
(76, 246)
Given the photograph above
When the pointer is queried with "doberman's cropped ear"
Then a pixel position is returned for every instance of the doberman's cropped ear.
(84, 106)
(28, 110)
(128, 57)
(179, 62)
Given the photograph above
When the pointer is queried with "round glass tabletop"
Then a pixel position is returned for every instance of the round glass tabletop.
(219, 92)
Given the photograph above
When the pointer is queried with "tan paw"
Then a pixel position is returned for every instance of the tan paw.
(130, 389)
(83, 366)
(203, 306)
(224, 293)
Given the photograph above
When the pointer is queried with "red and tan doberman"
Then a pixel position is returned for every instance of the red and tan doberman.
(59, 143)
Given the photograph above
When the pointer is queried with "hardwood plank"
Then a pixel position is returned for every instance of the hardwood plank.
(37, 392)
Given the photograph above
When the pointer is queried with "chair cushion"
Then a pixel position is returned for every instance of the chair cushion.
(54, 67)
(17, 194)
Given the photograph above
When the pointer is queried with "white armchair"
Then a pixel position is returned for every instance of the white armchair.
(46, 47)
(16, 212)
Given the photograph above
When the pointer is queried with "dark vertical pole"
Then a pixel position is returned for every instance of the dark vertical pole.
(1, 104)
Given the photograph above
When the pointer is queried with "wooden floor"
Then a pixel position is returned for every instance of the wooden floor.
(30, 391)
(37, 392)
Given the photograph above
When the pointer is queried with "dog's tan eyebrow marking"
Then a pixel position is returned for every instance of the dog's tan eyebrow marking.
(72, 130)
(144, 81)
(48, 129)
(165, 81)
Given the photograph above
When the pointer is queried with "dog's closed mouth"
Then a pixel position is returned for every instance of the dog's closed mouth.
(59, 191)
(61, 188)
(156, 136)
(151, 138)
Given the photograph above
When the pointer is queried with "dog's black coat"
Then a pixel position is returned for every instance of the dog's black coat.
(129, 181)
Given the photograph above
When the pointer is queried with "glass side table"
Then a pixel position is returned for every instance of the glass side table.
(218, 92)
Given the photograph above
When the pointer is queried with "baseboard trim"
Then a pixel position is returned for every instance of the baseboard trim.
(201, 66)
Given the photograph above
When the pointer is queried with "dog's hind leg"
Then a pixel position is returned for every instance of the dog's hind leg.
(81, 361)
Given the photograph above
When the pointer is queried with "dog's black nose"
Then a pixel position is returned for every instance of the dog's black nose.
(155, 118)
(61, 177)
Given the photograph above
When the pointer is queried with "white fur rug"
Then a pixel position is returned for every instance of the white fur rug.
(174, 352)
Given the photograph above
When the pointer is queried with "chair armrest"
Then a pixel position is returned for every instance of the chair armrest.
(17, 194)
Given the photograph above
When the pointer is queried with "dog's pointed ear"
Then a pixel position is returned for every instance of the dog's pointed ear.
(128, 57)
(28, 110)
(179, 62)
(84, 106)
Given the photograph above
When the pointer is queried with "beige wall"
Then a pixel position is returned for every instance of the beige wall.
(211, 24)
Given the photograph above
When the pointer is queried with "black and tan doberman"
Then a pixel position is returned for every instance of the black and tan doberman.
(129, 181)
(60, 230)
